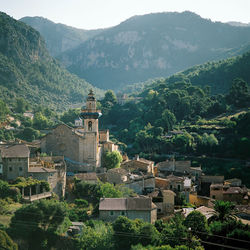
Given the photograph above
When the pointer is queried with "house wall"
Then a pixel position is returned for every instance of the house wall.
(199, 200)
(61, 141)
(216, 193)
(139, 185)
(15, 167)
(147, 216)
(57, 180)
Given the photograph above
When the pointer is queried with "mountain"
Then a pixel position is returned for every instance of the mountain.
(59, 37)
(153, 45)
(27, 70)
(239, 24)
(218, 75)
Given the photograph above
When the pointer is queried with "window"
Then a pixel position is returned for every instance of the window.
(179, 188)
(20, 169)
(123, 213)
(171, 187)
(10, 169)
(213, 196)
(111, 212)
(90, 126)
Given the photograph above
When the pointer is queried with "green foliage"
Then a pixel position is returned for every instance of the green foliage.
(21, 105)
(6, 242)
(174, 232)
(69, 116)
(40, 121)
(38, 222)
(111, 159)
(98, 236)
(125, 232)
(4, 110)
(197, 222)
(239, 94)
(7, 191)
(29, 73)
(223, 210)
(81, 203)
(29, 134)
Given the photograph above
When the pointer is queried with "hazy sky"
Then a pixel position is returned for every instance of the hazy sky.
(91, 14)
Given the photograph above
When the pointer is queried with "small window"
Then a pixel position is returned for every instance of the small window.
(171, 187)
(179, 188)
(20, 169)
(111, 212)
(213, 196)
(90, 125)
(10, 169)
(123, 213)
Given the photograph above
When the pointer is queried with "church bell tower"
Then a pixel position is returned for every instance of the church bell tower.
(90, 115)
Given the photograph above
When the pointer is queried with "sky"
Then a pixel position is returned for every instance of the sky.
(93, 14)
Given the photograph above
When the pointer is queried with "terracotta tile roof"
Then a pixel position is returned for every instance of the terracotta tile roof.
(15, 151)
(137, 203)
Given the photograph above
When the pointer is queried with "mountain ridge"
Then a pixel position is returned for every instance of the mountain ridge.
(28, 71)
(59, 37)
(153, 45)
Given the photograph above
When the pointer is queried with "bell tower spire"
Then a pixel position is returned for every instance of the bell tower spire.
(90, 115)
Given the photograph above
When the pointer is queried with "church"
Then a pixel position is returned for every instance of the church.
(81, 147)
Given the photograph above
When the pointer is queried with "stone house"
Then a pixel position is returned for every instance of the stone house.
(179, 185)
(15, 161)
(205, 183)
(141, 184)
(117, 176)
(133, 208)
(87, 177)
(239, 194)
(138, 165)
(81, 147)
(178, 168)
(51, 169)
(164, 200)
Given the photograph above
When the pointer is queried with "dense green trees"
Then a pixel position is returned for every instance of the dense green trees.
(111, 159)
(4, 110)
(38, 222)
(6, 242)
(197, 222)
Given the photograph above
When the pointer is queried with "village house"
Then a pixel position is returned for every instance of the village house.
(232, 190)
(16, 163)
(138, 165)
(164, 200)
(206, 181)
(179, 185)
(178, 168)
(88, 142)
(133, 208)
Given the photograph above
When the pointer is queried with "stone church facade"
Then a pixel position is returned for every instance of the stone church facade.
(82, 148)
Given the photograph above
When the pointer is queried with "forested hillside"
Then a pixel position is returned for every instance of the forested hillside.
(27, 70)
(153, 45)
(59, 37)
(217, 75)
(175, 103)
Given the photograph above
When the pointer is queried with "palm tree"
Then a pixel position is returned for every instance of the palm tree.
(224, 210)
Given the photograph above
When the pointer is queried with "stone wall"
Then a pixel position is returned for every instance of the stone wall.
(15, 167)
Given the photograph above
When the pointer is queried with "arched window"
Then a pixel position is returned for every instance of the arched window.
(90, 126)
